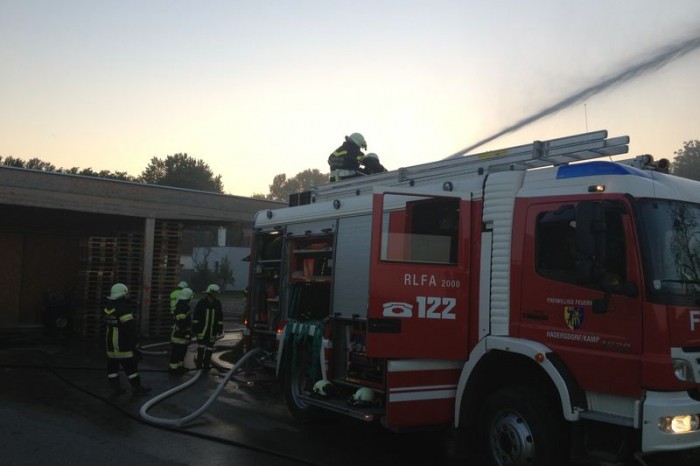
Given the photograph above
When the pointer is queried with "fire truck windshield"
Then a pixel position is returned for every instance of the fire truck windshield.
(670, 232)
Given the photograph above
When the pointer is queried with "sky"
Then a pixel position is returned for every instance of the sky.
(256, 88)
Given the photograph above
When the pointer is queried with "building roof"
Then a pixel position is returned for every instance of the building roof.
(34, 188)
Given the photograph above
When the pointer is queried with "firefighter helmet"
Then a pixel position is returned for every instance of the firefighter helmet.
(372, 155)
(212, 289)
(182, 284)
(323, 387)
(358, 139)
(118, 290)
(185, 294)
(363, 396)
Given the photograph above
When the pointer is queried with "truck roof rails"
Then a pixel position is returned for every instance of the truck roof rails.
(537, 154)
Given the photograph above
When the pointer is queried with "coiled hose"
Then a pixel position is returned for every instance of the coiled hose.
(184, 420)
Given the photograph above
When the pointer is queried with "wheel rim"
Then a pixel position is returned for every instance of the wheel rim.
(511, 440)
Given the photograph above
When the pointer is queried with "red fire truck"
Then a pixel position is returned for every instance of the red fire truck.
(542, 300)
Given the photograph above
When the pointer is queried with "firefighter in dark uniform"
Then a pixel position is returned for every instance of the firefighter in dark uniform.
(371, 165)
(180, 335)
(207, 325)
(121, 341)
(345, 160)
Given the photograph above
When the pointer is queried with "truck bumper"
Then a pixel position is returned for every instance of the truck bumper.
(659, 406)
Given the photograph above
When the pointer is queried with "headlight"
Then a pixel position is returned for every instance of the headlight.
(683, 370)
(680, 424)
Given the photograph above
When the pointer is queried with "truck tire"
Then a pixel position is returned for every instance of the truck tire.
(517, 426)
(297, 382)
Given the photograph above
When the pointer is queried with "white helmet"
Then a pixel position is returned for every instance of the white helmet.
(118, 290)
(212, 289)
(363, 395)
(323, 387)
(358, 139)
(182, 284)
(185, 294)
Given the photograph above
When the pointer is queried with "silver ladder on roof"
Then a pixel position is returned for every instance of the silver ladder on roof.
(538, 154)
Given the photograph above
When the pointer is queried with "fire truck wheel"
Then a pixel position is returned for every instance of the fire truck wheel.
(518, 427)
(296, 385)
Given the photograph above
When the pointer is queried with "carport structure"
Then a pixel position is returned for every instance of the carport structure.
(74, 236)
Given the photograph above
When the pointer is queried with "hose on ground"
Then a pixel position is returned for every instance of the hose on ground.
(146, 349)
(184, 420)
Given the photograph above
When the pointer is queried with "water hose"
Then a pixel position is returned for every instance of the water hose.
(184, 420)
(145, 349)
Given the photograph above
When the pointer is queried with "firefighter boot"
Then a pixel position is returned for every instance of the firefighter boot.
(199, 358)
(117, 388)
(137, 388)
(206, 360)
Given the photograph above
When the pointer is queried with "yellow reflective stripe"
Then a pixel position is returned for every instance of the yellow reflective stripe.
(113, 350)
(115, 339)
(340, 153)
(207, 318)
(126, 317)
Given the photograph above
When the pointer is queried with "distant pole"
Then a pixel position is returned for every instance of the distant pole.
(585, 114)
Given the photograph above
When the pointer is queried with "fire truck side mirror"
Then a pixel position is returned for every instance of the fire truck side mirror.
(590, 242)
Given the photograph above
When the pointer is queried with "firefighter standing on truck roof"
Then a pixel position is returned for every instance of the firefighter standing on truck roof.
(180, 335)
(121, 341)
(207, 325)
(173, 296)
(345, 160)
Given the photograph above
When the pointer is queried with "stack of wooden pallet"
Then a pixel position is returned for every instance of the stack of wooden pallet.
(119, 259)
(95, 279)
(165, 275)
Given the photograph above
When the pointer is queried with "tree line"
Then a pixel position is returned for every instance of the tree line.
(687, 160)
(183, 171)
(179, 171)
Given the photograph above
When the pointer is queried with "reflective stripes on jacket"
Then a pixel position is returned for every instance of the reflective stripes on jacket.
(208, 319)
(120, 337)
(181, 327)
(345, 157)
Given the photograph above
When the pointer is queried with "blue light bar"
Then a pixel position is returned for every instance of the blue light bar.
(580, 170)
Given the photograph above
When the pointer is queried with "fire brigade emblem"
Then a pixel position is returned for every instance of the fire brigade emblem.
(573, 317)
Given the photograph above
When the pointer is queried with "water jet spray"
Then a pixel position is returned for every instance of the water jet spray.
(655, 62)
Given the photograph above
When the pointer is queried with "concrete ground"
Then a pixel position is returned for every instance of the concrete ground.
(56, 408)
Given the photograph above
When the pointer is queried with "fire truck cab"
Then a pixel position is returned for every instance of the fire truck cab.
(540, 300)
